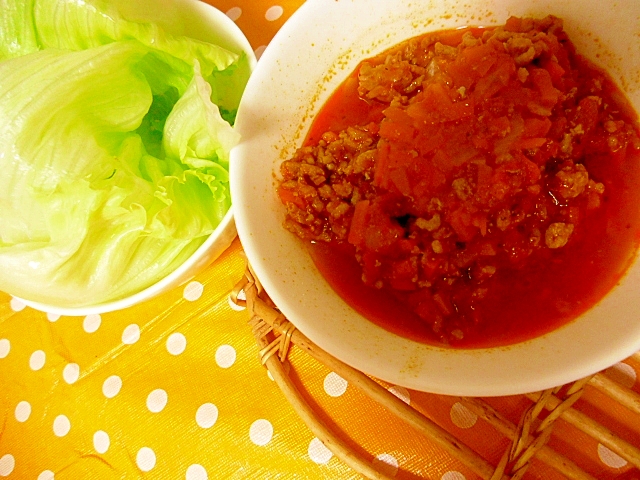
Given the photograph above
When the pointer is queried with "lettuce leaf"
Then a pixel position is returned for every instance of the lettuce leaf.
(78, 25)
(17, 32)
(113, 157)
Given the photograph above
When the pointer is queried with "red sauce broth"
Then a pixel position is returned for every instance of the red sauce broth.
(554, 286)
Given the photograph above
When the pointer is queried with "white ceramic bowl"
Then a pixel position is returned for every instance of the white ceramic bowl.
(309, 57)
(201, 21)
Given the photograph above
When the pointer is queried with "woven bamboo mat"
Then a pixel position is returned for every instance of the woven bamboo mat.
(528, 439)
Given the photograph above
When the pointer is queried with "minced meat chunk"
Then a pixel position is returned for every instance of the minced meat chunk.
(557, 234)
(572, 180)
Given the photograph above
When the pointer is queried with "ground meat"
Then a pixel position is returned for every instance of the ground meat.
(321, 183)
(478, 153)
(557, 234)
(572, 180)
(430, 225)
(387, 81)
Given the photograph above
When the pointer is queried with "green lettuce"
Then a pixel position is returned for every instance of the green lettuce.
(113, 155)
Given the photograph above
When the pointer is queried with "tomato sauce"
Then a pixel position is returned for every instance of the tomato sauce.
(539, 224)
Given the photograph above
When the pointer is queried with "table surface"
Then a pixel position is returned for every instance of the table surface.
(173, 388)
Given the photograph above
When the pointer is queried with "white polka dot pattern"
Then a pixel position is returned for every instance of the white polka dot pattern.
(37, 360)
(91, 323)
(101, 441)
(46, 475)
(259, 51)
(61, 425)
(609, 458)
(196, 472)
(234, 13)
(225, 356)
(193, 291)
(318, 452)
(17, 305)
(176, 343)
(146, 459)
(111, 386)
(335, 385)
(157, 400)
(131, 334)
(7, 464)
(23, 411)
(53, 317)
(622, 373)
(462, 417)
(207, 415)
(274, 13)
(5, 347)
(71, 373)
(261, 432)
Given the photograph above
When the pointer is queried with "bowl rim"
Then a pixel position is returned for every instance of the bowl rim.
(265, 246)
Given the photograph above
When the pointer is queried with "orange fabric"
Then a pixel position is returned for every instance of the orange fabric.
(173, 389)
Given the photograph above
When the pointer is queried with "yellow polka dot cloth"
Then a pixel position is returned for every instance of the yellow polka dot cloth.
(173, 389)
